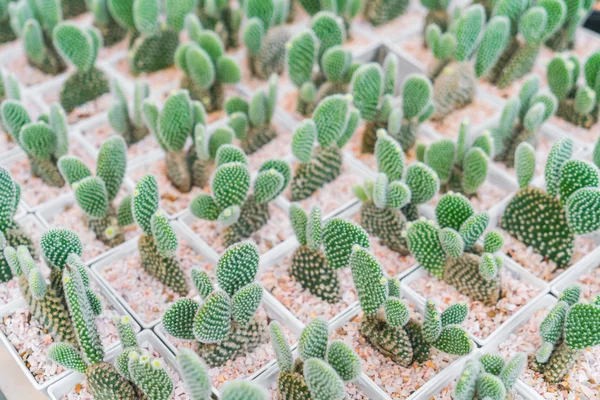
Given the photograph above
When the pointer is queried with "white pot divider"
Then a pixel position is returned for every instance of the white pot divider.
(573, 273)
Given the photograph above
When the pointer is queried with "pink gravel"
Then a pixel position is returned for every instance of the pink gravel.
(278, 148)
(26, 73)
(84, 111)
(157, 80)
(590, 284)
(289, 102)
(478, 112)
(413, 45)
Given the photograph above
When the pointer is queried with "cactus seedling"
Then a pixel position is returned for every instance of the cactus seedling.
(111, 31)
(158, 243)
(490, 377)
(460, 167)
(576, 14)
(450, 250)
(577, 102)
(265, 41)
(223, 18)
(206, 67)
(437, 14)
(6, 32)
(380, 12)
(224, 324)
(240, 213)
(548, 220)
(95, 194)
(80, 47)
(568, 329)
(387, 323)
(394, 196)
(347, 10)
(44, 141)
(322, 369)
(129, 125)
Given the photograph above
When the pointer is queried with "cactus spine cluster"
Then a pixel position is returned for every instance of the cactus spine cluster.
(158, 243)
(322, 369)
(576, 14)
(111, 31)
(578, 103)
(450, 251)
(240, 213)
(461, 167)
(95, 194)
(548, 220)
(568, 329)
(223, 18)
(394, 195)
(224, 324)
(380, 12)
(521, 120)
(332, 125)
(206, 67)
(6, 31)
(129, 125)
(265, 40)
(320, 45)
(490, 377)
(387, 323)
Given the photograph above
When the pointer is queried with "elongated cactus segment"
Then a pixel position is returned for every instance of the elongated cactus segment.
(564, 38)
(129, 125)
(112, 32)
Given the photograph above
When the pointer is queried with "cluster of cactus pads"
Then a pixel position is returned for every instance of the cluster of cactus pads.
(489, 377)
(347, 10)
(576, 13)
(222, 17)
(109, 28)
(130, 126)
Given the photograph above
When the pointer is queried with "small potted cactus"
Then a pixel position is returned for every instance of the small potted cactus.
(128, 125)
(323, 368)
(461, 167)
(222, 17)
(225, 325)
(490, 377)
(44, 141)
(264, 38)
(332, 125)
(112, 32)
(437, 14)
(206, 67)
(548, 220)
(95, 195)
(347, 10)
(80, 47)
(576, 13)
(450, 251)
(387, 323)
(373, 94)
(521, 120)
(6, 31)
(577, 102)
(394, 196)
(240, 213)
(158, 243)
(568, 330)
(320, 45)
(381, 12)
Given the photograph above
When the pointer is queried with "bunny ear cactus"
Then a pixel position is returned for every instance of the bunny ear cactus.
(6, 32)
(567, 331)
(576, 13)
(437, 14)
(205, 65)
(387, 323)
(322, 369)
(9, 87)
(112, 33)
(461, 167)
(450, 250)
(223, 18)
(265, 40)
(129, 125)
(251, 121)
(225, 325)
(347, 10)
(577, 103)
(332, 125)
(80, 48)
(380, 12)
(490, 377)
(548, 220)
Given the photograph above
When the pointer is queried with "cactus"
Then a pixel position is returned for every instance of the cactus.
(321, 252)
(241, 214)
(95, 194)
(44, 141)
(206, 67)
(332, 125)
(6, 32)
(158, 243)
(221, 17)
(152, 43)
(34, 28)
(251, 121)
(73, 8)
(437, 14)
(453, 72)
(387, 323)
(577, 103)
(576, 14)
(548, 220)
(490, 377)
(394, 196)
(128, 125)
(80, 47)
(9, 87)
(347, 10)
(380, 12)
(450, 251)
(461, 167)
(531, 24)
(265, 40)
(322, 369)
(181, 117)
(521, 120)
(112, 32)
(224, 325)
(567, 331)
(320, 45)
